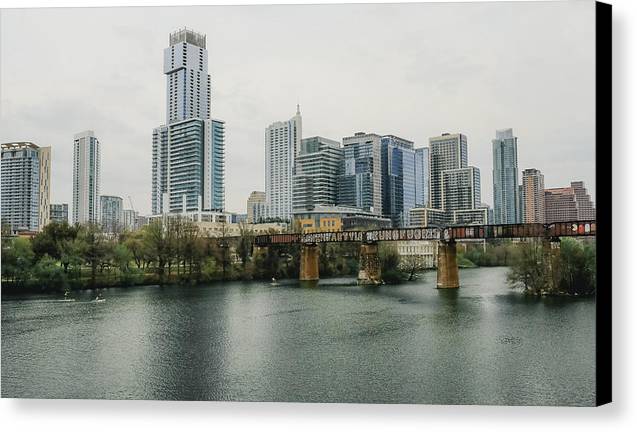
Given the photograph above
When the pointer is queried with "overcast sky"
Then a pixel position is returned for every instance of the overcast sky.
(412, 70)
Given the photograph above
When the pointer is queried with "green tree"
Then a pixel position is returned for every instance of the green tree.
(49, 275)
(17, 260)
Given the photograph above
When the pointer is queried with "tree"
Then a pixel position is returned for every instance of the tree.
(17, 260)
(389, 263)
(52, 240)
(93, 247)
(49, 274)
(244, 248)
(530, 268)
(156, 244)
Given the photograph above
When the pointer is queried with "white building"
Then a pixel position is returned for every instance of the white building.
(111, 213)
(86, 177)
(417, 254)
(188, 171)
(282, 145)
(26, 191)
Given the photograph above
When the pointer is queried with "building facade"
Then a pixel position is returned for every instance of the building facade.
(417, 254)
(59, 213)
(337, 218)
(111, 213)
(256, 207)
(505, 177)
(187, 79)
(188, 157)
(26, 175)
(398, 170)
(86, 177)
(129, 220)
(422, 177)
(568, 204)
(533, 195)
(446, 152)
(360, 184)
(282, 146)
(316, 171)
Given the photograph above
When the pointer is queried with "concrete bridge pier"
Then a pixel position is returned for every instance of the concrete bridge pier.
(309, 270)
(447, 265)
(369, 265)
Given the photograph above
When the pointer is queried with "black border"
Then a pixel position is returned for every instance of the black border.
(603, 183)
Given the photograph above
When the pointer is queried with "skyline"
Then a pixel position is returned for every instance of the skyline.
(50, 109)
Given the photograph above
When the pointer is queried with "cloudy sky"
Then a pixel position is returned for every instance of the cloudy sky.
(412, 70)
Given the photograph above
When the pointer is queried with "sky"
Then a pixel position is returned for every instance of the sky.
(411, 70)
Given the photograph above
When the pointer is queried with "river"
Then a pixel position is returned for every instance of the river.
(410, 343)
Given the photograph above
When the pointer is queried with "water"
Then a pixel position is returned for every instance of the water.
(482, 344)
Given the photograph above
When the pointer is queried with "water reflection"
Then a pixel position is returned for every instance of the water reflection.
(336, 342)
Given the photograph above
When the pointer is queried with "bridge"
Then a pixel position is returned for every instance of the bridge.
(447, 265)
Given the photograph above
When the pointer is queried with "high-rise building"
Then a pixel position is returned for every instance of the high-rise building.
(129, 219)
(360, 184)
(422, 177)
(187, 78)
(282, 146)
(188, 172)
(26, 175)
(461, 189)
(505, 177)
(533, 193)
(316, 171)
(398, 169)
(446, 152)
(568, 204)
(112, 213)
(59, 213)
(86, 177)
(256, 207)
(521, 203)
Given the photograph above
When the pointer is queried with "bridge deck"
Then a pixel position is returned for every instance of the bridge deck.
(558, 229)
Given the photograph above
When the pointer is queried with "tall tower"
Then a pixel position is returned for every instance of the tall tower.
(446, 152)
(360, 184)
(188, 165)
(505, 177)
(187, 79)
(534, 200)
(282, 146)
(86, 177)
(26, 174)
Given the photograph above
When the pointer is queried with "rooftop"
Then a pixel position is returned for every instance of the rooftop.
(188, 36)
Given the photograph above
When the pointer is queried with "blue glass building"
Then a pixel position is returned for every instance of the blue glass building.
(505, 178)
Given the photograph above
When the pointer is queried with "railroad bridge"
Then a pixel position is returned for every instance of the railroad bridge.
(447, 265)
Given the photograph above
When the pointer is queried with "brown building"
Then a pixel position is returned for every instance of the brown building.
(568, 203)
(532, 196)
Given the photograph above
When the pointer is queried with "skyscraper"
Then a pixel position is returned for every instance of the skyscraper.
(111, 213)
(316, 172)
(505, 177)
(282, 146)
(86, 177)
(398, 168)
(188, 171)
(26, 174)
(360, 184)
(422, 177)
(446, 152)
(461, 189)
(533, 192)
(187, 78)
